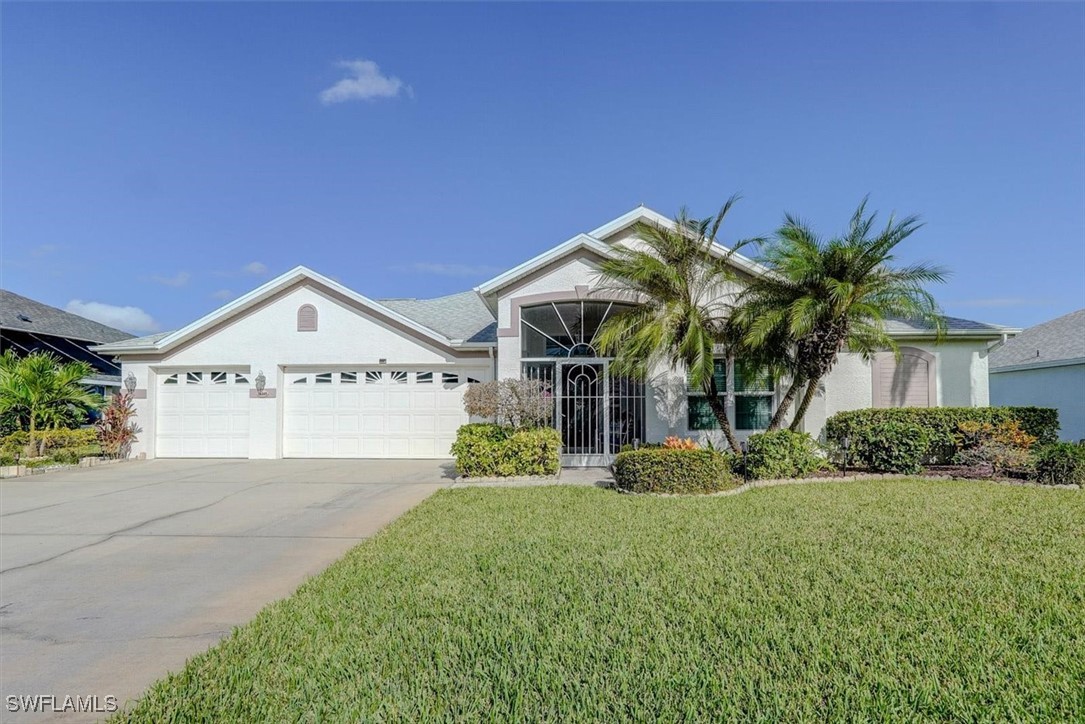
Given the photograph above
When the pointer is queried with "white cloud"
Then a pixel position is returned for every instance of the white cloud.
(177, 280)
(364, 82)
(129, 319)
(222, 294)
(255, 268)
(449, 270)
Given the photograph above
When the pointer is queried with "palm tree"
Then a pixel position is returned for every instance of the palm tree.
(828, 295)
(684, 287)
(42, 392)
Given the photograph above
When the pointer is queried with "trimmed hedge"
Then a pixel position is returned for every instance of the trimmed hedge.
(663, 470)
(485, 450)
(1040, 422)
(865, 428)
(54, 439)
(783, 454)
(1059, 464)
(897, 446)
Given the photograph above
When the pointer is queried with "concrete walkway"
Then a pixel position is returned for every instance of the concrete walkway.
(112, 576)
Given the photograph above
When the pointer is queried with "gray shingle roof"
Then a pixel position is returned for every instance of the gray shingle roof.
(953, 324)
(16, 310)
(458, 316)
(1058, 340)
(135, 342)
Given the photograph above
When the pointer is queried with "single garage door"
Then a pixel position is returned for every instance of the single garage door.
(203, 415)
(373, 413)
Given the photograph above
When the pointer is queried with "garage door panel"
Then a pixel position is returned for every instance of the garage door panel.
(398, 424)
(347, 424)
(373, 447)
(448, 424)
(378, 413)
(350, 447)
(450, 402)
(202, 414)
(193, 424)
(423, 447)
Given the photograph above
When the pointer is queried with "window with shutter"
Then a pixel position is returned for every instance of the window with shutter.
(307, 318)
(909, 381)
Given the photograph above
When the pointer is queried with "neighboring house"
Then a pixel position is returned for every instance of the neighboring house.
(1045, 366)
(27, 326)
(343, 375)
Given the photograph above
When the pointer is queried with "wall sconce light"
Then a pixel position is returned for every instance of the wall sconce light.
(261, 382)
(130, 383)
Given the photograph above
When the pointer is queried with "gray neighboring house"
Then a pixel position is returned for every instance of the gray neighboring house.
(1045, 366)
(27, 326)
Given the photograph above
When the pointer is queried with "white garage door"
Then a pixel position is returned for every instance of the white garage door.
(372, 413)
(203, 415)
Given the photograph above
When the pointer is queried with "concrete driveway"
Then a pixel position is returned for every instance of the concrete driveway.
(112, 576)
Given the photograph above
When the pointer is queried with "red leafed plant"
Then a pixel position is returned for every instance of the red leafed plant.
(116, 428)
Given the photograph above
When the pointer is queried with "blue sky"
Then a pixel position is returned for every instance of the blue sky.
(160, 158)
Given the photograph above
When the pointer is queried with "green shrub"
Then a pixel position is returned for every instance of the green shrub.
(941, 425)
(891, 446)
(783, 454)
(50, 439)
(660, 470)
(14, 445)
(489, 450)
(72, 455)
(6, 460)
(39, 462)
(1040, 422)
(1060, 463)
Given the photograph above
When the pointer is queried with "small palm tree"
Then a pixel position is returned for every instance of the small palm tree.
(684, 287)
(43, 392)
(828, 295)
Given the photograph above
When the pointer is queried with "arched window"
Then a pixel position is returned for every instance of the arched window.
(565, 329)
(910, 381)
(307, 318)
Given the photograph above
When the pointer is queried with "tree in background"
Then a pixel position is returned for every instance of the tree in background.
(40, 392)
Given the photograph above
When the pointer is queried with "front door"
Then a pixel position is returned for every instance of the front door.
(582, 406)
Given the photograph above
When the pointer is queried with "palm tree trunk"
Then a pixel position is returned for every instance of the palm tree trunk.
(31, 447)
(807, 398)
(785, 404)
(719, 409)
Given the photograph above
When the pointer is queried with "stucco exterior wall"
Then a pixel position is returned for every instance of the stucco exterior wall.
(960, 365)
(1060, 387)
(266, 339)
(961, 380)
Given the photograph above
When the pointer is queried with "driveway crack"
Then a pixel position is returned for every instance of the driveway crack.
(131, 528)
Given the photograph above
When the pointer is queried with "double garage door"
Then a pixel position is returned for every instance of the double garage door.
(372, 413)
(364, 413)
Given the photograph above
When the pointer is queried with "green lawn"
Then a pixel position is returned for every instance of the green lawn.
(894, 600)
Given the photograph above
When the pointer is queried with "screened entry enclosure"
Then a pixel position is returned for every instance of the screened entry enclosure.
(595, 412)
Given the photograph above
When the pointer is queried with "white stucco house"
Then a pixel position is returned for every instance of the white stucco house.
(305, 367)
(1044, 366)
